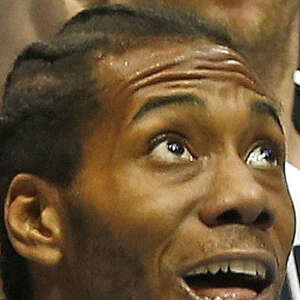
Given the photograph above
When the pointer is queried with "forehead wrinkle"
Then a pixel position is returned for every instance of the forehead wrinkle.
(195, 67)
(201, 54)
(224, 59)
(145, 77)
(185, 78)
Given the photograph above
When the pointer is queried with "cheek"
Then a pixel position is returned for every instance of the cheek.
(142, 212)
(101, 263)
(106, 267)
(128, 220)
(285, 224)
(145, 212)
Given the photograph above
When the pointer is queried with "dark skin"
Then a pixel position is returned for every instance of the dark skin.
(183, 168)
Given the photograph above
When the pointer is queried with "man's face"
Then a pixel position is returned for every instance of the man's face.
(250, 22)
(181, 192)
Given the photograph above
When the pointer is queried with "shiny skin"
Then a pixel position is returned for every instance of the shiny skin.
(146, 215)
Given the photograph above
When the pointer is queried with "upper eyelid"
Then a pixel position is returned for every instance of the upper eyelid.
(178, 137)
(264, 141)
(267, 142)
(278, 156)
(163, 136)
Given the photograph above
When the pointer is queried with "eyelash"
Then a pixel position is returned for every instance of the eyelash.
(264, 142)
(275, 146)
(169, 135)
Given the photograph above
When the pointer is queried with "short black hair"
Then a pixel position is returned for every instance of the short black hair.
(50, 93)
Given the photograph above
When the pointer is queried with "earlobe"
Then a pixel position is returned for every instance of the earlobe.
(32, 219)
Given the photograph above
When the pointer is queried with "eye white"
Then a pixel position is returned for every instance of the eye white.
(262, 158)
(171, 151)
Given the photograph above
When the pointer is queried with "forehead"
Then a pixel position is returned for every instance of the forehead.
(157, 54)
(164, 66)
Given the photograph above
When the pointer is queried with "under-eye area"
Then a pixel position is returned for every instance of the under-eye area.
(250, 276)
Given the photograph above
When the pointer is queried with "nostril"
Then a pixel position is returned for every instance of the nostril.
(233, 216)
(263, 220)
(229, 217)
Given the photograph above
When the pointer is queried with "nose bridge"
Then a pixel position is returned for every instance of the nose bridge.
(233, 180)
(235, 196)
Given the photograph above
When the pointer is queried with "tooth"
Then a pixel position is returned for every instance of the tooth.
(202, 270)
(236, 266)
(214, 268)
(191, 273)
(261, 271)
(224, 267)
(250, 268)
(243, 267)
(218, 298)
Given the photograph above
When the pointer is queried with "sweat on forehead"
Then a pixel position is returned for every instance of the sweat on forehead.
(207, 60)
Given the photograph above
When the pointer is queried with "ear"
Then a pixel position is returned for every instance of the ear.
(32, 219)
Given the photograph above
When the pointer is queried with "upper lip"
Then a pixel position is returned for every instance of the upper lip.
(266, 262)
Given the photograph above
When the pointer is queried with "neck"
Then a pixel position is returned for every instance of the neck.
(44, 285)
(55, 283)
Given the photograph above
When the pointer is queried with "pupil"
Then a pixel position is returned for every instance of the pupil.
(175, 148)
(268, 154)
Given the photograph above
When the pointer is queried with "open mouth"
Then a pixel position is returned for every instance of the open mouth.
(228, 280)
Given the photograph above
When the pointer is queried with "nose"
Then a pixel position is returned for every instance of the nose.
(235, 196)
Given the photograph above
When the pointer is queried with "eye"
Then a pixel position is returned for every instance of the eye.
(171, 151)
(262, 157)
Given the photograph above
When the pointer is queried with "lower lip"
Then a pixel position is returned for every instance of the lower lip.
(226, 293)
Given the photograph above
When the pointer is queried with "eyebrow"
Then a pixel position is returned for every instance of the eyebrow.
(258, 107)
(158, 102)
(261, 107)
